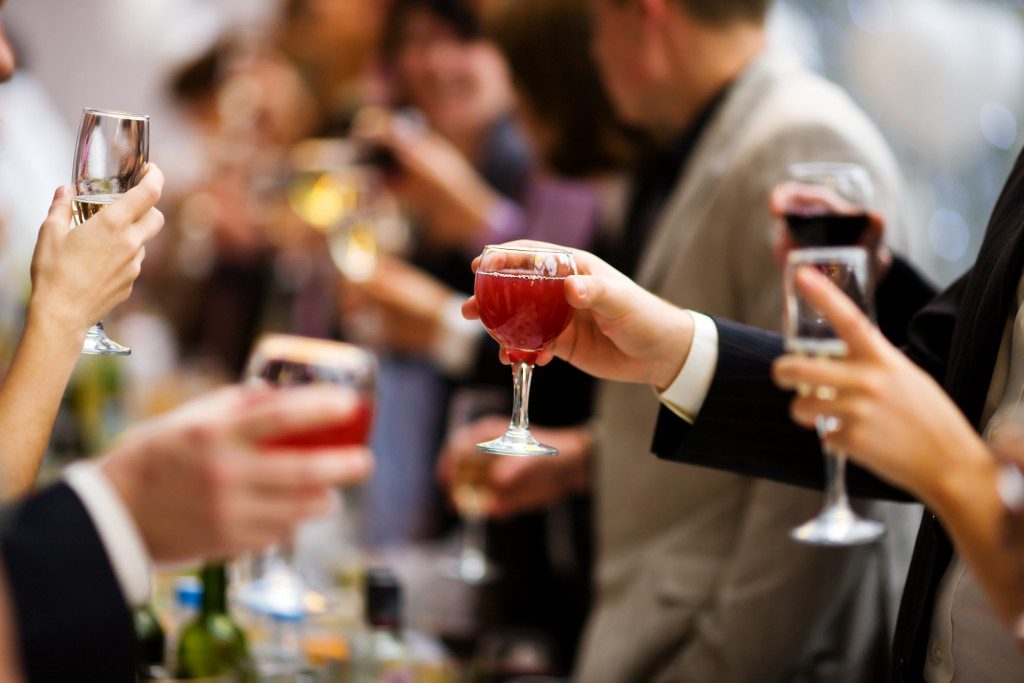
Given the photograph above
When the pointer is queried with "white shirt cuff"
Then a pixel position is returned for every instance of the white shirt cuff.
(455, 348)
(685, 396)
(121, 539)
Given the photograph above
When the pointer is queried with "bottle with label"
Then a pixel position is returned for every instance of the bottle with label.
(212, 644)
(381, 654)
(150, 643)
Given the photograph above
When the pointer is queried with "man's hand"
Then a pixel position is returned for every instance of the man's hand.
(80, 274)
(517, 485)
(199, 482)
(619, 331)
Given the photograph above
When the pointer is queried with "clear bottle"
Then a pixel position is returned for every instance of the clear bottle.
(212, 644)
(381, 654)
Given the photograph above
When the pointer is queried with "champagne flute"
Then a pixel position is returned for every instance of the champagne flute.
(277, 588)
(473, 498)
(110, 157)
(521, 298)
(809, 333)
(827, 203)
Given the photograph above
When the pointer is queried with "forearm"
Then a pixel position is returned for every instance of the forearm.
(30, 397)
(967, 502)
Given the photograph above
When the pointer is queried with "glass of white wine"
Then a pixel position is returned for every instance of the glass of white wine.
(809, 333)
(110, 159)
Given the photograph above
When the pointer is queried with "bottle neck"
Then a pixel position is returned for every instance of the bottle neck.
(215, 582)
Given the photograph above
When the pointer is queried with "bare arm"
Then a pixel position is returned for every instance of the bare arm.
(77, 277)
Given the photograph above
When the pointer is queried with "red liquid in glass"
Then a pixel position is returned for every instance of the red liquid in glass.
(524, 313)
(354, 431)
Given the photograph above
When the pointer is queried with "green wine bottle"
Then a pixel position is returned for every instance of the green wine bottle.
(212, 644)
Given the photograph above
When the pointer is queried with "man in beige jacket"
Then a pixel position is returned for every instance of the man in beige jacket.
(696, 578)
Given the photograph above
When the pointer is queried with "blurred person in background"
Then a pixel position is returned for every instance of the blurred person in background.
(575, 192)
(335, 44)
(218, 278)
(687, 556)
(199, 482)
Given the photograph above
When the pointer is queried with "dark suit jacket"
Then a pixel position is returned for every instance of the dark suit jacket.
(71, 616)
(955, 338)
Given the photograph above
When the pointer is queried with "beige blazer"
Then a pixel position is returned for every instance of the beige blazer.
(697, 579)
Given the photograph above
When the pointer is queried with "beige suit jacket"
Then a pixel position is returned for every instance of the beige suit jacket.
(697, 579)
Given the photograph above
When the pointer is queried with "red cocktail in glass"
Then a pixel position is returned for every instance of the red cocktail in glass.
(521, 297)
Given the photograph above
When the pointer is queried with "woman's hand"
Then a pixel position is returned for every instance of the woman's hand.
(80, 274)
(895, 419)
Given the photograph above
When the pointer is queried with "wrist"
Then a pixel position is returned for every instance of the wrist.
(676, 340)
(575, 461)
(966, 470)
(53, 324)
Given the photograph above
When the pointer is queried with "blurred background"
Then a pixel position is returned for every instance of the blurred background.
(262, 232)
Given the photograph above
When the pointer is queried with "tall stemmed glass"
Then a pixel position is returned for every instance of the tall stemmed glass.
(110, 157)
(284, 360)
(521, 299)
(809, 333)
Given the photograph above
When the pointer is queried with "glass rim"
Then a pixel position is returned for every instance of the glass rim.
(812, 167)
(814, 254)
(114, 113)
(529, 250)
(312, 350)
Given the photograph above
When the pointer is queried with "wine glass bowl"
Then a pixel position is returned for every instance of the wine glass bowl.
(110, 158)
(520, 294)
(827, 204)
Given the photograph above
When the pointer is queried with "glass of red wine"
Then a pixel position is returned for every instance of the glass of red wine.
(275, 588)
(827, 203)
(521, 299)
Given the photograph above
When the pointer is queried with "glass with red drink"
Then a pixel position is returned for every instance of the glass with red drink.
(521, 298)
(275, 588)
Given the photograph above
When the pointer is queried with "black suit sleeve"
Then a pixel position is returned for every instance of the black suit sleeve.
(744, 424)
(72, 618)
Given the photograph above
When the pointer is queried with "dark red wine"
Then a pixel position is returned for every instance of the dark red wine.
(827, 230)
(524, 313)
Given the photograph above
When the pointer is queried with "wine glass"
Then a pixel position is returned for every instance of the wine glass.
(521, 299)
(277, 589)
(826, 203)
(809, 333)
(110, 157)
(337, 189)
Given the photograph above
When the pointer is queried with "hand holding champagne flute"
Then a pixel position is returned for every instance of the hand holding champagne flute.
(110, 159)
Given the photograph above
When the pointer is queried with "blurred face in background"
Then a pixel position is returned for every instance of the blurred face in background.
(620, 49)
(459, 85)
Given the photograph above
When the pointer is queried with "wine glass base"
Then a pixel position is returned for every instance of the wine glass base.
(838, 527)
(97, 343)
(472, 569)
(516, 445)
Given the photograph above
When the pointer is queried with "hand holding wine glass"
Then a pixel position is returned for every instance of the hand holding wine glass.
(828, 204)
(619, 331)
(79, 275)
(110, 159)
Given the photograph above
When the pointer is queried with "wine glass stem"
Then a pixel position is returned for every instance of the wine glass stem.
(472, 538)
(835, 468)
(522, 373)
